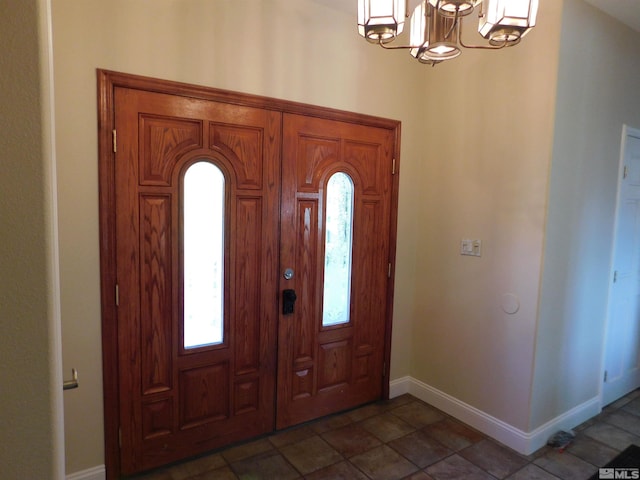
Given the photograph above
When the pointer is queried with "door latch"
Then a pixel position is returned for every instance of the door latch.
(288, 301)
(73, 383)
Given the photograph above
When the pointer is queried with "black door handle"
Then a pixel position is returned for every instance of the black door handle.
(288, 301)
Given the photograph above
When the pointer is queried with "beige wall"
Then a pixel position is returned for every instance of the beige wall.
(486, 179)
(31, 432)
(291, 49)
(597, 94)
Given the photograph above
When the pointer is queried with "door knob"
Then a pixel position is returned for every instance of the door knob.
(73, 383)
(288, 301)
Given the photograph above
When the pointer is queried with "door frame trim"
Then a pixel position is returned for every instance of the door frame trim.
(107, 82)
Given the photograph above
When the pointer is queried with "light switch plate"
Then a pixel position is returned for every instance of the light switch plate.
(471, 247)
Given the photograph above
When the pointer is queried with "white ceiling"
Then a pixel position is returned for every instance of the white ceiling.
(627, 11)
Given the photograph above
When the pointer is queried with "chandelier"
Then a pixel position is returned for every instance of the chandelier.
(436, 25)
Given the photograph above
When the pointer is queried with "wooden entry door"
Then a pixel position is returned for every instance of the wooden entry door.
(166, 399)
(177, 397)
(330, 363)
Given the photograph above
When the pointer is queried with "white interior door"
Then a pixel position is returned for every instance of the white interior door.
(622, 348)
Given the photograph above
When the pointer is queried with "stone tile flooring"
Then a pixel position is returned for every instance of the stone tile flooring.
(404, 438)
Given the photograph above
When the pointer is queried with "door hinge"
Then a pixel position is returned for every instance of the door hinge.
(615, 276)
(625, 172)
(115, 140)
(393, 167)
(605, 375)
(389, 271)
(117, 295)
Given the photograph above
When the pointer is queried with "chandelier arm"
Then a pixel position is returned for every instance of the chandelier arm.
(456, 23)
(396, 47)
(478, 47)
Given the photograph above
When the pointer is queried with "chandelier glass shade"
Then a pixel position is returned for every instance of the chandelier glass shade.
(433, 34)
(436, 25)
(452, 8)
(381, 21)
(507, 20)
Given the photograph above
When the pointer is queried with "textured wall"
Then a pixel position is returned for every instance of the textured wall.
(488, 141)
(488, 180)
(597, 94)
(30, 381)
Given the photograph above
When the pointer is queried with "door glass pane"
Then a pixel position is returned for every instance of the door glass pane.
(337, 250)
(203, 242)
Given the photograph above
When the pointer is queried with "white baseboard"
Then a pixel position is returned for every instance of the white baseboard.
(399, 386)
(95, 473)
(520, 441)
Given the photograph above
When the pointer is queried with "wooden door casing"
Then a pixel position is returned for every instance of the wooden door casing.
(237, 106)
(177, 402)
(323, 370)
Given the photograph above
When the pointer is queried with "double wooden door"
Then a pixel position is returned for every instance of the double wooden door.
(299, 302)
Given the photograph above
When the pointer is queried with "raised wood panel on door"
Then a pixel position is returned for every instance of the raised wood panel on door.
(176, 402)
(327, 369)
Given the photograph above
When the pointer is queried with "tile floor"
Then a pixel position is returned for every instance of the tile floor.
(404, 438)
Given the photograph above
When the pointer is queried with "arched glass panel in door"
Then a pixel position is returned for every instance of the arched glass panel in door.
(336, 304)
(203, 241)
